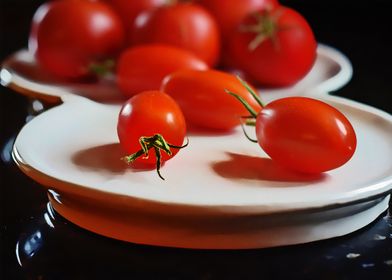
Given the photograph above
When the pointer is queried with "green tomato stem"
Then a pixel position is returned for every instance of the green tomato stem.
(243, 101)
(249, 120)
(251, 91)
(246, 134)
(158, 143)
(102, 68)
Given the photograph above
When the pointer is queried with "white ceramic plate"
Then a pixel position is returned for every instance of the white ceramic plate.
(220, 192)
(77, 143)
(20, 72)
(73, 149)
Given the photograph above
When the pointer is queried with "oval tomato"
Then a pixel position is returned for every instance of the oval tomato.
(152, 118)
(186, 25)
(130, 9)
(275, 47)
(69, 37)
(305, 134)
(203, 98)
(143, 67)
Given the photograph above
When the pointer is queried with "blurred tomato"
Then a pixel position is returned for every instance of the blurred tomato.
(203, 98)
(183, 25)
(142, 68)
(130, 9)
(229, 13)
(275, 47)
(69, 37)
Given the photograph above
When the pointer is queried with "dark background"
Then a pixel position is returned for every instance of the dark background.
(359, 29)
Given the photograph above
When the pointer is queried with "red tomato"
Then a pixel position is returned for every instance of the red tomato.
(69, 36)
(186, 25)
(305, 134)
(130, 9)
(149, 114)
(143, 67)
(275, 47)
(203, 98)
(230, 13)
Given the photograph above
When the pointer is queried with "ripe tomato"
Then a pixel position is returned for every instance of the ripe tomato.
(154, 119)
(143, 67)
(275, 47)
(69, 36)
(130, 9)
(185, 25)
(229, 13)
(304, 134)
(203, 98)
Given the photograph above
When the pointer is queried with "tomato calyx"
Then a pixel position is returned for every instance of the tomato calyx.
(251, 119)
(266, 27)
(102, 68)
(156, 142)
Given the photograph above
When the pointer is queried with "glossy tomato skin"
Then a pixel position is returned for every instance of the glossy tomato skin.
(184, 25)
(130, 9)
(142, 68)
(305, 134)
(68, 36)
(204, 101)
(277, 62)
(146, 114)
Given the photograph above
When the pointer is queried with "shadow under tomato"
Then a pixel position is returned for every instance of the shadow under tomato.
(103, 158)
(107, 158)
(259, 168)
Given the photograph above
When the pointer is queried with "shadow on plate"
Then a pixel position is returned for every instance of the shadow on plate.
(107, 158)
(259, 168)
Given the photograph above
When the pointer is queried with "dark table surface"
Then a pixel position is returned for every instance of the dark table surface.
(38, 244)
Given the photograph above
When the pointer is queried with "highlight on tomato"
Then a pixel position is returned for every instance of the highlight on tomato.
(74, 39)
(184, 25)
(276, 47)
(201, 96)
(303, 134)
(151, 129)
(144, 67)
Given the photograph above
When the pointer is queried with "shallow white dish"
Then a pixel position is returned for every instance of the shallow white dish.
(20, 72)
(220, 192)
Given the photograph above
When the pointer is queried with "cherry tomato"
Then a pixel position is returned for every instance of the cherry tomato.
(69, 37)
(230, 13)
(203, 98)
(143, 67)
(275, 47)
(184, 25)
(130, 9)
(153, 118)
(305, 134)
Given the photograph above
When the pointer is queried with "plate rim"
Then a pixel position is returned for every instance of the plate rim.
(52, 183)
